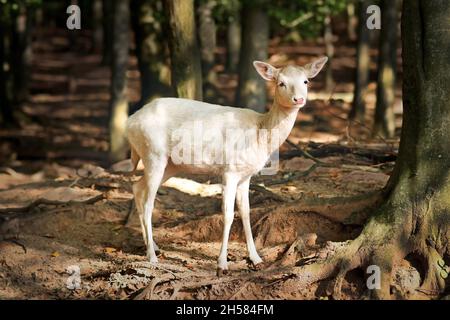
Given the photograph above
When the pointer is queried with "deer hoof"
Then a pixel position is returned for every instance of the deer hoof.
(222, 272)
(255, 267)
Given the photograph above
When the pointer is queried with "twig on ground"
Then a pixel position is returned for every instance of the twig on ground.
(267, 193)
(147, 293)
(242, 287)
(17, 243)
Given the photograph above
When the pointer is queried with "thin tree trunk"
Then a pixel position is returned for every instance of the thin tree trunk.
(329, 49)
(352, 21)
(234, 33)
(251, 92)
(207, 35)
(107, 22)
(97, 36)
(119, 102)
(362, 64)
(185, 56)
(21, 52)
(150, 50)
(6, 110)
(384, 113)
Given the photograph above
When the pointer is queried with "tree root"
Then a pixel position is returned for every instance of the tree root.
(337, 259)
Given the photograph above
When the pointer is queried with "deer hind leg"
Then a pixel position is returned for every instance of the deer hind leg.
(140, 191)
(153, 174)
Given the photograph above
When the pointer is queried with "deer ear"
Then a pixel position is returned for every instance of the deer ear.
(313, 68)
(266, 71)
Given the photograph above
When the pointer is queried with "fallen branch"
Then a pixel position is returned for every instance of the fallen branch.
(269, 194)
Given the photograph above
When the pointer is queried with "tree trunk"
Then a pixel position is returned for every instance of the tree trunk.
(6, 110)
(207, 35)
(329, 50)
(362, 64)
(21, 52)
(352, 21)
(107, 7)
(234, 32)
(150, 50)
(414, 220)
(184, 52)
(384, 113)
(251, 91)
(119, 102)
(97, 28)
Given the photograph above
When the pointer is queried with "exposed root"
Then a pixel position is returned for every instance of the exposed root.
(437, 272)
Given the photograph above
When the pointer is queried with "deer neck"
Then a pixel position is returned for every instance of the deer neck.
(279, 121)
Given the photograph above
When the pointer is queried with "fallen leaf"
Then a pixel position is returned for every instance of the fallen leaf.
(110, 250)
(55, 254)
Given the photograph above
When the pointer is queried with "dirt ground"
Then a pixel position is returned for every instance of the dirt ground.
(63, 209)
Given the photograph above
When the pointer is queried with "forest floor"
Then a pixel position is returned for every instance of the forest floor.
(61, 209)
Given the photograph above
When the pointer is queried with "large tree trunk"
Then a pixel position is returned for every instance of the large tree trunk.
(362, 64)
(207, 35)
(384, 113)
(251, 91)
(184, 52)
(150, 50)
(414, 220)
(119, 102)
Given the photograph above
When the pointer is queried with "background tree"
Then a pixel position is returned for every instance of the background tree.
(147, 22)
(6, 107)
(15, 56)
(352, 20)
(251, 92)
(387, 61)
(185, 56)
(234, 36)
(107, 22)
(119, 102)
(207, 32)
(21, 49)
(329, 52)
(97, 26)
(358, 109)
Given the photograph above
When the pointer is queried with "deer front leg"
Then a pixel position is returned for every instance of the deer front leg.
(244, 211)
(228, 197)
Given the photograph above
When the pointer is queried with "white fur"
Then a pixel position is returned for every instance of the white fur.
(151, 133)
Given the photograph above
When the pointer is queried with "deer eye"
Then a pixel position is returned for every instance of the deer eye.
(282, 84)
(306, 82)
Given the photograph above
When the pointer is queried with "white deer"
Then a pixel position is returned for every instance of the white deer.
(153, 131)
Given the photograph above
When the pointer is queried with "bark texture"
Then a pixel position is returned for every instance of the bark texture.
(147, 21)
(207, 31)
(251, 92)
(387, 67)
(362, 64)
(234, 34)
(119, 102)
(184, 52)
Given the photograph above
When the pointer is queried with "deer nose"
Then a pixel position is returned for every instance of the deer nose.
(298, 100)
